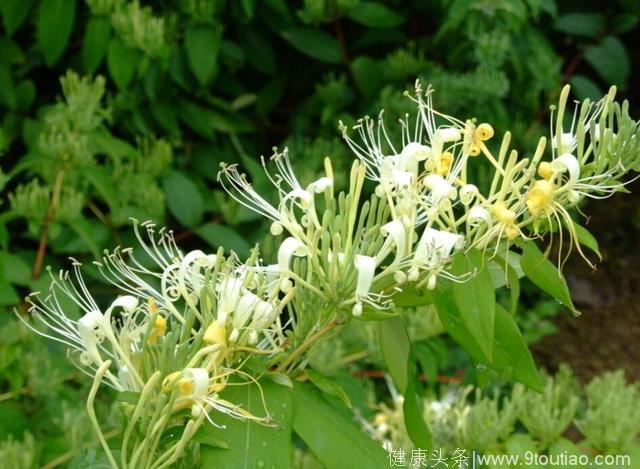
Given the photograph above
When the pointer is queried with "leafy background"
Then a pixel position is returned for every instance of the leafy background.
(155, 95)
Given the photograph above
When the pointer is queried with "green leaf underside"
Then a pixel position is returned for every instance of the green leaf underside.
(334, 439)
(251, 444)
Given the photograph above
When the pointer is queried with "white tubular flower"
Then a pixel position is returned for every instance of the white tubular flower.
(190, 279)
(397, 232)
(321, 185)
(448, 134)
(444, 135)
(438, 243)
(290, 247)
(412, 154)
(91, 330)
(197, 386)
(366, 267)
(567, 163)
(568, 143)
(229, 291)
(441, 190)
(468, 193)
(253, 314)
(479, 215)
(402, 179)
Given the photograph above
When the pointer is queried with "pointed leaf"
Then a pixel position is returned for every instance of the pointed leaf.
(54, 26)
(314, 43)
(475, 297)
(251, 445)
(395, 346)
(333, 438)
(13, 12)
(545, 275)
(202, 44)
(96, 42)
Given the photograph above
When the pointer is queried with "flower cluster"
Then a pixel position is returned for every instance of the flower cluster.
(183, 331)
(425, 208)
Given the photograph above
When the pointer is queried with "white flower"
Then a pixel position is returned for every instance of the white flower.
(366, 267)
(396, 232)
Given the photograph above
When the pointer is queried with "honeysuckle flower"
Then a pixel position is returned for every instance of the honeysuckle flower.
(396, 233)
(289, 248)
(198, 390)
(366, 267)
(93, 337)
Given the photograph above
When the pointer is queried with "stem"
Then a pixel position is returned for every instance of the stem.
(48, 218)
(309, 341)
(92, 413)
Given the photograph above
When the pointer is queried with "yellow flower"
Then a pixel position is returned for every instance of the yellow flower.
(216, 333)
(484, 132)
(540, 196)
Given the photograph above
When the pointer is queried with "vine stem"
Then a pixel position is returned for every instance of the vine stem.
(308, 342)
(44, 237)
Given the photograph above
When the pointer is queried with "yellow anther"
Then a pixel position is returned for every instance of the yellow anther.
(380, 418)
(158, 330)
(545, 170)
(153, 307)
(217, 387)
(484, 132)
(446, 160)
(503, 214)
(170, 380)
(539, 196)
(474, 149)
(216, 333)
(185, 386)
(512, 232)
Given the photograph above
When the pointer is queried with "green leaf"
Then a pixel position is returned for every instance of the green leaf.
(314, 43)
(395, 346)
(511, 357)
(196, 118)
(328, 386)
(53, 27)
(208, 435)
(184, 199)
(122, 62)
(252, 445)
(7, 88)
(585, 88)
(224, 236)
(611, 60)
(581, 24)
(545, 275)
(13, 12)
(368, 75)
(475, 298)
(514, 359)
(96, 41)
(332, 437)
(375, 15)
(410, 297)
(202, 44)
(587, 239)
(14, 269)
(25, 94)
(414, 421)
(8, 294)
